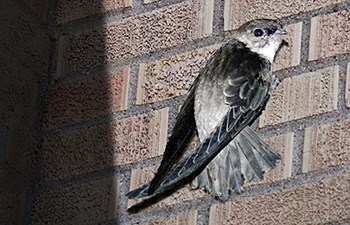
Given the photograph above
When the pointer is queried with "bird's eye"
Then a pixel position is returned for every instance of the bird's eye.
(258, 32)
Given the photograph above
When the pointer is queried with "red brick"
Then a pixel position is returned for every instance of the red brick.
(87, 99)
(142, 34)
(171, 76)
(326, 201)
(189, 218)
(240, 11)
(301, 96)
(10, 197)
(22, 36)
(140, 177)
(71, 10)
(85, 203)
(329, 35)
(102, 146)
(326, 145)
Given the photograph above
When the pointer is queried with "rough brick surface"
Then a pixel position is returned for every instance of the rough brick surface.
(85, 203)
(149, 1)
(240, 11)
(102, 146)
(39, 7)
(301, 96)
(21, 146)
(283, 144)
(71, 10)
(18, 90)
(326, 145)
(156, 30)
(183, 219)
(4, 120)
(347, 91)
(140, 177)
(86, 99)
(10, 197)
(326, 201)
(170, 76)
(329, 35)
(22, 36)
(289, 55)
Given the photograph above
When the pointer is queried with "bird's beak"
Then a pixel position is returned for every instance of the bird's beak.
(281, 32)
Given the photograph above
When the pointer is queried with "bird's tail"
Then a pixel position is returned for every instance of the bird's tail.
(247, 155)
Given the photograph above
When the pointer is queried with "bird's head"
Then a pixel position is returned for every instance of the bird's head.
(263, 36)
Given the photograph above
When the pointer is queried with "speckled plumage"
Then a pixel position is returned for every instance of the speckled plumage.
(230, 92)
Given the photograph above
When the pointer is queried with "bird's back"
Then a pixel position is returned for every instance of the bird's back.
(233, 61)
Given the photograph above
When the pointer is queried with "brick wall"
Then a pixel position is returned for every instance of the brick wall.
(116, 76)
(24, 62)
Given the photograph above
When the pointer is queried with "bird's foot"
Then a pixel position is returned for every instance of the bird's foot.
(274, 82)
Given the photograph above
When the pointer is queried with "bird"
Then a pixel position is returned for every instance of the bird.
(229, 94)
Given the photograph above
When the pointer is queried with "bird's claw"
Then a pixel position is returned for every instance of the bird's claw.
(274, 82)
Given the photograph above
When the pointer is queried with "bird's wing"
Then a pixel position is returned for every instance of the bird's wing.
(183, 129)
(247, 93)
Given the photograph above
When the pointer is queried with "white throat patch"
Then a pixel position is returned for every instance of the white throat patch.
(268, 51)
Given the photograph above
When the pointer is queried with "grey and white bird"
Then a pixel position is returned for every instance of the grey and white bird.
(229, 94)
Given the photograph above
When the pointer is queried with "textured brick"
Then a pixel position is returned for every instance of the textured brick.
(330, 35)
(22, 36)
(347, 90)
(300, 96)
(87, 98)
(71, 10)
(86, 203)
(321, 202)
(18, 90)
(326, 145)
(171, 76)
(3, 133)
(283, 144)
(146, 33)
(289, 55)
(240, 11)
(185, 194)
(149, 1)
(10, 197)
(102, 146)
(183, 219)
(39, 7)
(21, 146)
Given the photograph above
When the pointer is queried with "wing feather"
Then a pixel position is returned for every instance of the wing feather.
(183, 129)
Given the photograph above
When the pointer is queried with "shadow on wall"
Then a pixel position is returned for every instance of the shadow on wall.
(62, 130)
(24, 49)
(83, 132)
